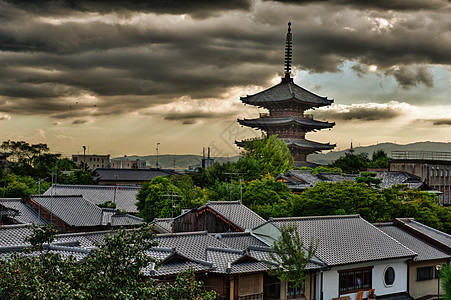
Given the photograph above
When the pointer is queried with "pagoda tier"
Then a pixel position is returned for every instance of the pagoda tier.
(286, 96)
(286, 124)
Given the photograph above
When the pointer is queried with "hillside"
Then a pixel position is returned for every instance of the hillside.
(182, 162)
(326, 158)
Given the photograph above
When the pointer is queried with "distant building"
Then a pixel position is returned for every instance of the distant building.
(206, 161)
(434, 168)
(91, 161)
(3, 160)
(127, 163)
(107, 176)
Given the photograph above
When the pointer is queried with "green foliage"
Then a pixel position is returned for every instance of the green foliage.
(369, 178)
(445, 277)
(380, 160)
(164, 197)
(15, 186)
(41, 235)
(268, 198)
(107, 204)
(270, 153)
(111, 271)
(291, 256)
(338, 198)
(352, 163)
(347, 197)
(76, 177)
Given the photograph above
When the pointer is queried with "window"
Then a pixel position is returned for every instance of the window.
(294, 292)
(425, 273)
(75, 159)
(389, 276)
(355, 280)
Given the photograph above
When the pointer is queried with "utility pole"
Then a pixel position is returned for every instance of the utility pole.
(84, 158)
(157, 155)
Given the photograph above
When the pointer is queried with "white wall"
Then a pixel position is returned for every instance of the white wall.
(330, 283)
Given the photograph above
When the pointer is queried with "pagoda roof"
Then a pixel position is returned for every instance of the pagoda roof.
(269, 121)
(285, 92)
(308, 145)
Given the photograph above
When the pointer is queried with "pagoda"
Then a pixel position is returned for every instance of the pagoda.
(287, 103)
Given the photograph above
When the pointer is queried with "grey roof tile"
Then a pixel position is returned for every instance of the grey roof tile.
(131, 174)
(85, 239)
(303, 176)
(237, 213)
(424, 250)
(123, 196)
(239, 240)
(283, 92)
(125, 220)
(164, 223)
(191, 245)
(73, 210)
(346, 239)
(438, 235)
(26, 213)
(13, 235)
(64, 251)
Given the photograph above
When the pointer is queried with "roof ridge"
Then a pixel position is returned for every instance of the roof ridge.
(83, 233)
(15, 226)
(189, 233)
(237, 251)
(316, 217)
(10, 199)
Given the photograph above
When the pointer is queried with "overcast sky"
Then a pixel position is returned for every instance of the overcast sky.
(121, 77)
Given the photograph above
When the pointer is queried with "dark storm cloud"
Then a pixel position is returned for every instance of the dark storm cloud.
(412, 75)
(381, 4)
(360, 112)
(79, 121)
(55, 53)
(198, 8)
(442, 122)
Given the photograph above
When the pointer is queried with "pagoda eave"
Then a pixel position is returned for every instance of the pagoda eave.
(277, 103)
(269, 122)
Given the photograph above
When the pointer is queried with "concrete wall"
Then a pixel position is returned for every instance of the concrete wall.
(331, 279)
(422, 288)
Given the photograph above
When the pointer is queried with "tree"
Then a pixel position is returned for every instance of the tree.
(352, 163)
(113, 270)
(445, 277)
(270, 153)
(369, 178)
(290, 256)
(268, 198)
(380, 160)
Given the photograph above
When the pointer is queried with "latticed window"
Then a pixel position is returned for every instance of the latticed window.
(425, 273)
(294, 292)
(355, 280)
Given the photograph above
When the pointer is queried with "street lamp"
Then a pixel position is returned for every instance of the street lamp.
(438, 268)
(157, 155)
(84, 158)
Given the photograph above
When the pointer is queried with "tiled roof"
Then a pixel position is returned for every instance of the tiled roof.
(303, 176)
(346, 239)
(26, 214)
(64, 251)
(424, 250)
(437, 235)
(131, 174)
(262, 253)
(336, 177)
(308, 145)
(164, 223)
(236, 212)
(191, 245)
(239, 240)
(172, 263)
(270, 121)
(85, 239)
(239, 261)
(392, 178)
(123, 196)
(286, 92)
(13, 235)
(73, 210)
(124, 220)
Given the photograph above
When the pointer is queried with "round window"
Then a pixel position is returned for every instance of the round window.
(389, 276)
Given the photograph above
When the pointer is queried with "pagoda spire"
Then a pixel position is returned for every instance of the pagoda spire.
(288, 56)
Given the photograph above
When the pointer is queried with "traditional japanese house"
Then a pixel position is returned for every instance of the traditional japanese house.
(287, 103)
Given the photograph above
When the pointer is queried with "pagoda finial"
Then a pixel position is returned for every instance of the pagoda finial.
(288, 54)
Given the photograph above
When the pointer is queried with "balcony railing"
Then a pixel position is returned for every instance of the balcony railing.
(421, 155)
